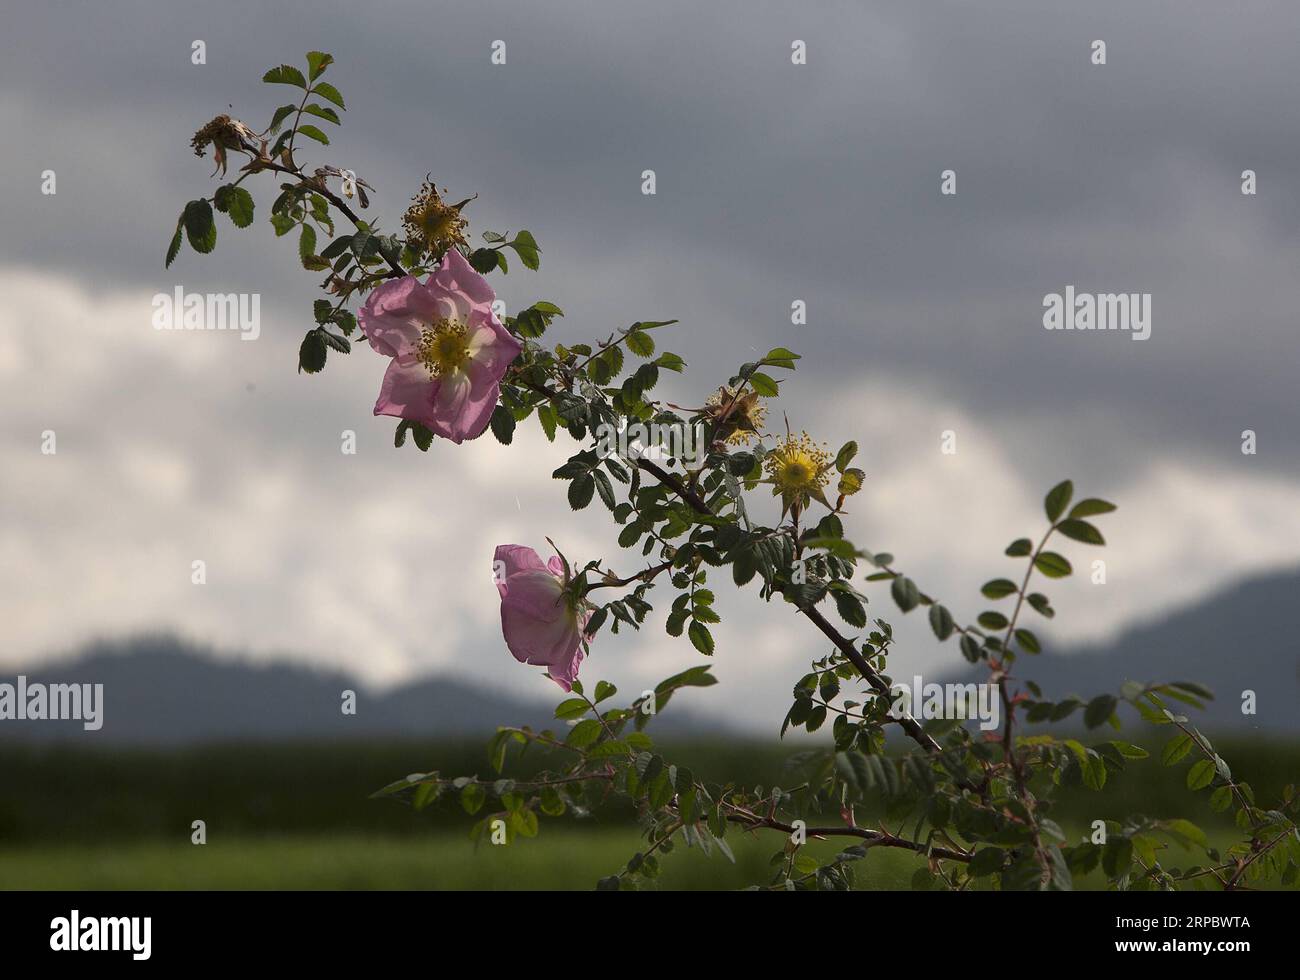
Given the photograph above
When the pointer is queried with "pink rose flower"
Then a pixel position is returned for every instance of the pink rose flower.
(449, 350)
(541, 626)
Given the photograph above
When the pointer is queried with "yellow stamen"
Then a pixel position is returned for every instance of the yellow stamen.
(443, 347)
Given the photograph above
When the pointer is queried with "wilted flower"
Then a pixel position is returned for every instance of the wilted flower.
(224, 133)
(798, 470)
(449, 350)
(543, 624)
(433, 227)
(737, 419)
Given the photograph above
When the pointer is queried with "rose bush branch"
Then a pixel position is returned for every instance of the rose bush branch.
(682, 485)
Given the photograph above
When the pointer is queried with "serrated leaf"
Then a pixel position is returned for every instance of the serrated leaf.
(525, 247)
(312, 352)
(321, 112)
(327, 91)
(317, 62)
(640, 343)
(307, 243)
(200, 229)
(285, 75)
(764, 385)
(174, 247)
(307, 129)
(701, 638)
(502, 424)
(581, 490)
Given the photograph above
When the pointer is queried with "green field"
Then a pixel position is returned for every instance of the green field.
(299, 817)
(562, 858)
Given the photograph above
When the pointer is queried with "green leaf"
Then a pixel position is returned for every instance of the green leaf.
(312, 352)
(571, 708)
(845, 456)
(1091, 508)
(780, 357)
(236, 202)
(317, 62)
(1019, 548)
(580, 491)
(671, 362)
(173, 249)
(484, 260)
(1185, 829)
(604, 689)
(340, 344)
(941, 621)
(584, 733)
(200, 229)
(1099, 710)
(1058, 498)
(701, 638)
(640, 343)
(1080, 531)
(314, 132)
(1130, 751)
(1041, 604)
(850, 609)
(764, 385)
(1201, 774)
(905, 593)
(327, 91)
(281, 114)
(1094, 771)
(1028, 641)
(525, 247)
(1052, 565)
(986, 861)
(285, 75)
(992, 620)
(307, 243)
(1176, 748)
(321, 112)
(282, 223)
(604, 488)
(998, 588)
(503, 425)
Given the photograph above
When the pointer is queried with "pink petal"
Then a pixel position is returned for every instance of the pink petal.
(391, 316)
(457, 275)
(494, 349)
(518, 558)
(408, 392)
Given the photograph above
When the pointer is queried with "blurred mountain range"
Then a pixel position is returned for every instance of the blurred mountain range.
(1240, 639)
(163, 690)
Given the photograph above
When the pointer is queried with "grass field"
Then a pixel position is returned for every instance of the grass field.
(562, 858)
(299, 817)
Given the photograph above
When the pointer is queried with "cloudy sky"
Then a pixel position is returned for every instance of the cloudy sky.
(775, 182)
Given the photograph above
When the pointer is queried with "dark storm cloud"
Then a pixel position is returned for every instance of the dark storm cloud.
(775, 181)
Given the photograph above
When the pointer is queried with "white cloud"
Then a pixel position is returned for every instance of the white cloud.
(175, 446)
